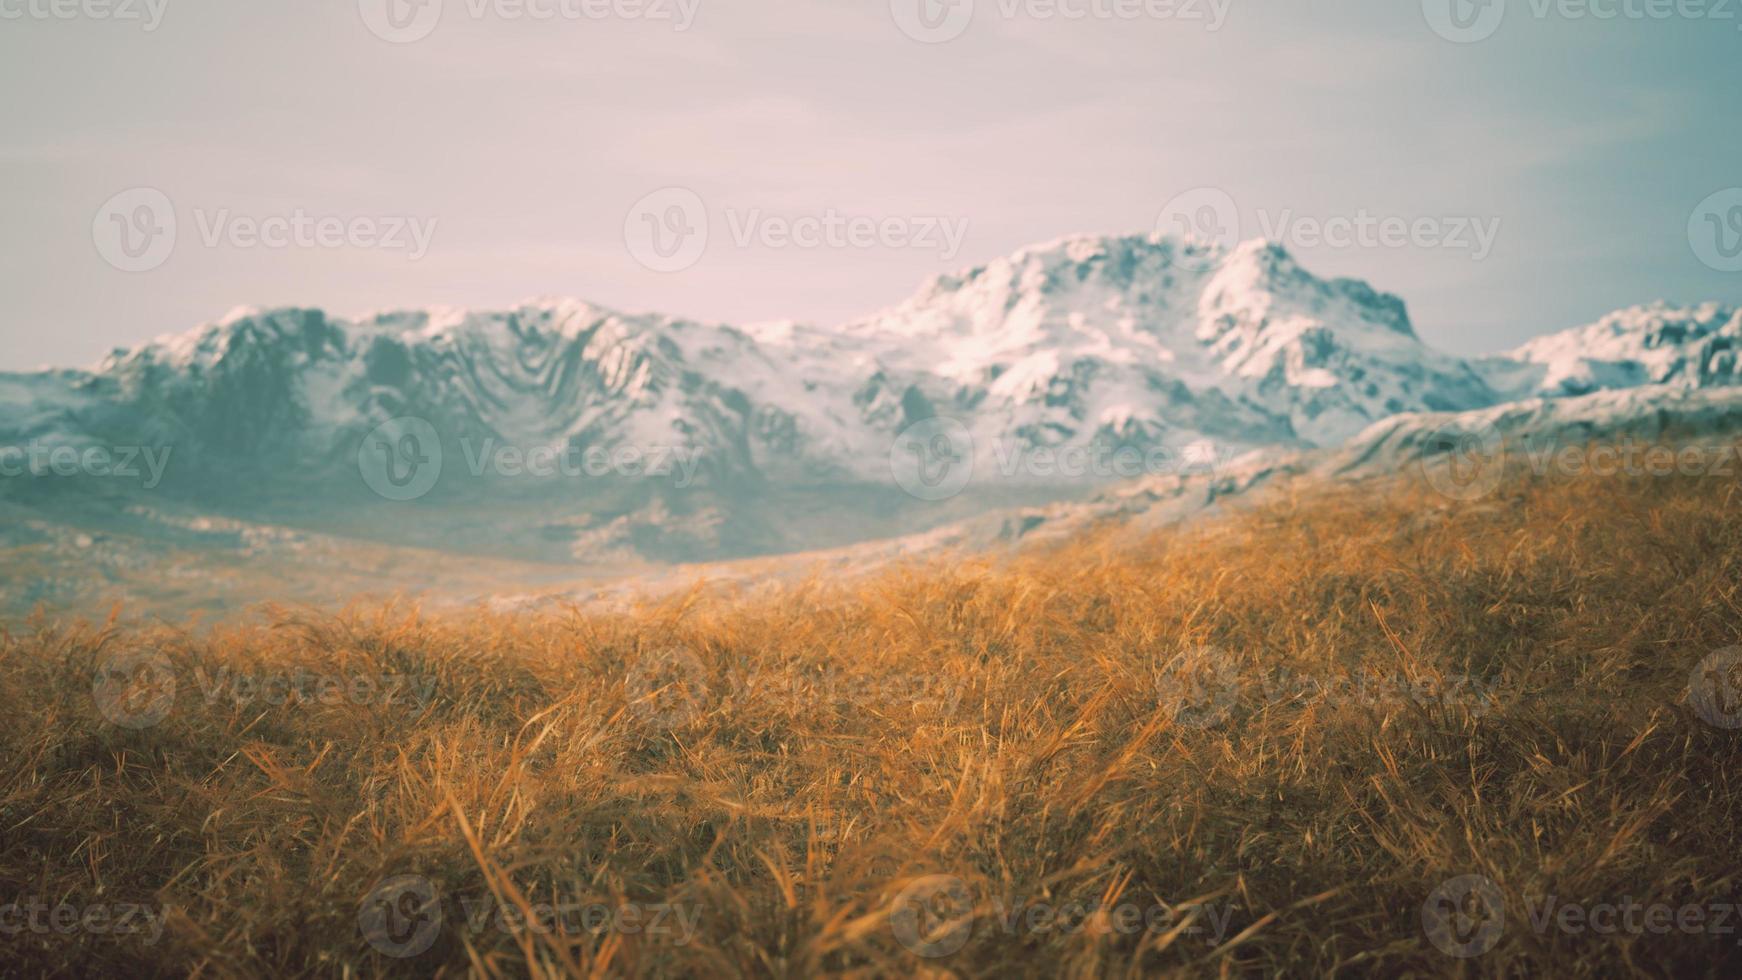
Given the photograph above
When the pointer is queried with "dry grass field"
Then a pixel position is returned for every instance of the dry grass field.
(1353, 732)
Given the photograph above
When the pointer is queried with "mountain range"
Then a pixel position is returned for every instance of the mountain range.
(774, 437)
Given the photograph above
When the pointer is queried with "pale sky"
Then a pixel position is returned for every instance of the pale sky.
(521, 145)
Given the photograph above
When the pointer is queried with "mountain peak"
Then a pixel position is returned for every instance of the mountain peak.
(1136, 340)
(1652, 343)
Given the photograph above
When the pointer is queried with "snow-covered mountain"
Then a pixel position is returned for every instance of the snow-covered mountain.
(297, 386)
(1116, 339)
(1107, 340)
(1115, 342)
(1695, 347)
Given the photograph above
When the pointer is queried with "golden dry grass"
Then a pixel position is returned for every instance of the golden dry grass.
(1273, 735)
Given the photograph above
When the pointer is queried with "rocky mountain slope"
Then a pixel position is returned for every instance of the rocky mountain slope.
(1655, 344)
(1085, 339)
(563, 432)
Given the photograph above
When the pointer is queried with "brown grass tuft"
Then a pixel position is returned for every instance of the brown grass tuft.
(1282, 729)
